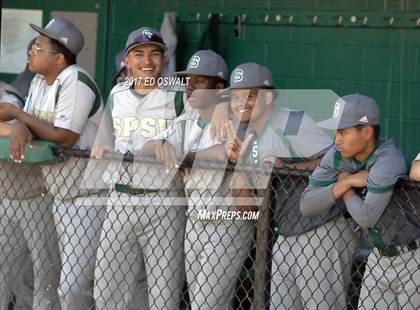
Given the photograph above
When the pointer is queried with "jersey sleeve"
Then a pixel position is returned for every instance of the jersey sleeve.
(10, 98)
(318, 197)
(326, 173)
(418, 157)
(385, 172)
(366, 212)
(75, 102)
(316, 200)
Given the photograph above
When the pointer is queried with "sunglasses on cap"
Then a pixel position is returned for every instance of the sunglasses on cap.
(142, 38)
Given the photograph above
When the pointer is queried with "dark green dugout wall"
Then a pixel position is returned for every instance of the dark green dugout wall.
(371, 47)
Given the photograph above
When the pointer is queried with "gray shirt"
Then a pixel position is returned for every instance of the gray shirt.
(373, 210)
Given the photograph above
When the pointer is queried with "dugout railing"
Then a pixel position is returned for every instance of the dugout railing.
(226, 259)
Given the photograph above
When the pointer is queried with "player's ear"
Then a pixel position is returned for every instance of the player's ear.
(268, 97)
(369, 132)
(60, 59)
(127, 61)
(220, 85)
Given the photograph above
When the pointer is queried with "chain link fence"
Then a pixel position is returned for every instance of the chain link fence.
(121, 233)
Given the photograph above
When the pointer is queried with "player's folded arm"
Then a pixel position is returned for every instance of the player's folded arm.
(415, 171)
(5, 129)
(64, 137)
(58, 135)
(318, 196)
(316, 199)
(366, 212)
(380, 184)
(48, 131)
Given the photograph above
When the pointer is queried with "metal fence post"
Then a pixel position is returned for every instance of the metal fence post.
(263, 250)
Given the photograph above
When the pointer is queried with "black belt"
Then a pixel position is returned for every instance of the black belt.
(121, 188)
(394, 250)
(347, 215)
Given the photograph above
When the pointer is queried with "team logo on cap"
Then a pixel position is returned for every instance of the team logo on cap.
(195, 61)
(147, 33)
(238, 75)
(337, 108)
(50, 23)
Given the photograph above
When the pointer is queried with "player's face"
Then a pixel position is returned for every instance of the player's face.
(201, 91)
(248, 105)
(351, 142)
(145, 61)
(242, 103)
(42, 57)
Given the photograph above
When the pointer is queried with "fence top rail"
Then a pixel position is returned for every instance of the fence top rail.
(188, 162)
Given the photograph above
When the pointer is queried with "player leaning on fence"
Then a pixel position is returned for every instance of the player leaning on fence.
(360, 159)
(280, 136)
(415, 169)
(64, 106)
(26, 226)
(142, 240)
(215, 249)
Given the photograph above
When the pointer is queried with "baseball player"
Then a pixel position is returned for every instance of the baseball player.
(15, 261)
(215, 249)
(22, 82)
(280, 136)
(64, 106)
(360, 159)
(141, 237)
(26, 225)
(415, 169)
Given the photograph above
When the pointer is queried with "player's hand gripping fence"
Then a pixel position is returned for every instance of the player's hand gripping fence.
(122, 234)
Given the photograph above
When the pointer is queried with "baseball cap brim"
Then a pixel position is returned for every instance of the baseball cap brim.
(335, 123)
(249, 87)
(162, 46)
(42, 31)
(227, 91)
(186, 72)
